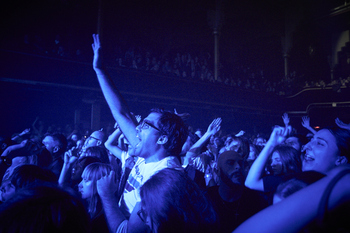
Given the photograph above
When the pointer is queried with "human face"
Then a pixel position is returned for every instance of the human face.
(260, 141)
(252, 154)
(94, 139)
(228, 141)
(276, 163)
(321, 153)
(293, 142)
(234, 145)
(49, 144)
(231, 167)
(86, 188)
(148, 136)
(7, 191)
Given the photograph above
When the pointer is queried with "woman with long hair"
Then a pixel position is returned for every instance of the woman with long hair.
(284, 162)
(88, 190)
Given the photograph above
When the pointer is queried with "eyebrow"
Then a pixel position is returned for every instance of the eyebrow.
(322, 139)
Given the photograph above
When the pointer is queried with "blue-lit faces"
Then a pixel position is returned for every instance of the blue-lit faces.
(276, 163)
(148, 135)
(321, 153)
(86, 188)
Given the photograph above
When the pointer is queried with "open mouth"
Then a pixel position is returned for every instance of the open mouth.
(308, 158)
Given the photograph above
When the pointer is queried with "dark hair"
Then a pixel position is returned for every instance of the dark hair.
(243, 149)
(289, 187)
(175, 203)
(62, 141)
(43, 209)
(98, 152)
(301, 138)
(80, 166)
(290, 158)
(174, 128)
(342, 137)
(28, 175)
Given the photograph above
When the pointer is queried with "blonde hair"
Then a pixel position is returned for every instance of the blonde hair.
(94, 172)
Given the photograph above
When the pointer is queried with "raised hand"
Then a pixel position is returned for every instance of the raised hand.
(107, 185)
(305, 122)
(241, 133)
(96, 47)
(342, 124)
(26, 131)
(214, 126)
(279, 134)
(286, 119)
(71, 156)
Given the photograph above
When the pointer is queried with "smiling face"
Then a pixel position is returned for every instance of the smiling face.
(148, 136)
(321, 153)
(276, 163)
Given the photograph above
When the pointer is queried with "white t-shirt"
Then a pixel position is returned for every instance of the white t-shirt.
(139, 174)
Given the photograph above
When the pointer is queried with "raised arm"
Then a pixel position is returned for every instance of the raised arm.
(342, 124)
(115, 101)
(306, 124)
(70, 157)
(112, 143)
(24, 132)
(299, 209)
(213, 128)
(254, 178)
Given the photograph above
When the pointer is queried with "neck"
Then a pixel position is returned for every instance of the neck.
(230, 193)
(156, 157)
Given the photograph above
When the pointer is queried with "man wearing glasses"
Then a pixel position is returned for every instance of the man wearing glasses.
(96, 138)
(157, 140)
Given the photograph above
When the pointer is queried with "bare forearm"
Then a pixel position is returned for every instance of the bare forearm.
(254, 177)
(65, 175)
(118, 106)
(113, 214)
(113, 97)
(299, 209)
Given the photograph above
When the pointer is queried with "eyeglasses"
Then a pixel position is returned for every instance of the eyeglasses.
(91, 137)
(145, 125)
(142, 215)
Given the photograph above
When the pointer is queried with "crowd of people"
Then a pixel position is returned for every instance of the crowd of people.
(154, 174)
(197, 66)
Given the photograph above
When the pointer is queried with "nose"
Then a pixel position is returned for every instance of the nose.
(80, 185)
(307, 146)
(237, 166)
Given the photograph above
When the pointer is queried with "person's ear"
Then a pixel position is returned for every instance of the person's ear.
(162, 140)
(56, 149)
(341, 160)
(98, 143)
